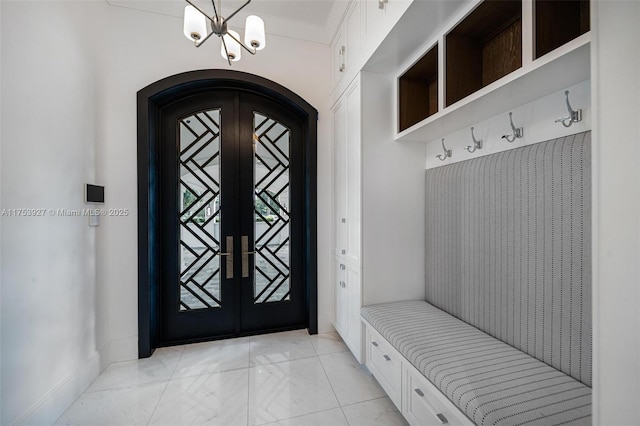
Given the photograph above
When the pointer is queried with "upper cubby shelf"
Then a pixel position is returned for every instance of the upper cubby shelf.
(497, 56)
(418, 90)
(484, 47)
(557, 22)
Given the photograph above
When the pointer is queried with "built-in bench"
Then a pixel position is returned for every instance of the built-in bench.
(504, 337)
(486, 379)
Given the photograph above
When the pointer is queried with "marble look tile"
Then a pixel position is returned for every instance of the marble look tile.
(219, 398)
(124, 406)
(278, 347)
(332, 417)
(379, 411)
(288, 389)
(159, 367)
(351, 381)
(213, 357)
(328, 343)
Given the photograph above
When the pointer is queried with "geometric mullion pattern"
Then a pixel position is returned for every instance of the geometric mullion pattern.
(199, 218)
(271, 208)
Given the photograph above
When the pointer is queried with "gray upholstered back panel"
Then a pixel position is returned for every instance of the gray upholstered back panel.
(509, 248)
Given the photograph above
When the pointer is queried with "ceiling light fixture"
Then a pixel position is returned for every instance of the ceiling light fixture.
(195, 29)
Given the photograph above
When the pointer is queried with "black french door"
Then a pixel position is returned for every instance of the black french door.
(232, 230)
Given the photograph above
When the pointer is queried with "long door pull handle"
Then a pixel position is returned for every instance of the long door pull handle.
(229, 255)
(244, 242)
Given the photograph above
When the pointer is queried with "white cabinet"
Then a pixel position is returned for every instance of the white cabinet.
(364, 26)
(353, 22)
(339, 56)
(347, 302)
(347, 217)
(340, 297)
(347, 175)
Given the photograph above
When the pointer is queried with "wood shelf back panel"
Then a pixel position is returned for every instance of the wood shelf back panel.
(483, 47)
(418, 90)
(502, 54)
(558, 22)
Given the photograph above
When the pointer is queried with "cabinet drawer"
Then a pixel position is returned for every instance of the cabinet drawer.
(386, 366)
(424, 404)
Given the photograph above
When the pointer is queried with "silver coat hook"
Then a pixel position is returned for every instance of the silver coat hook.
(518, 132)
(447, 152)
(477, 144)
(574, 116)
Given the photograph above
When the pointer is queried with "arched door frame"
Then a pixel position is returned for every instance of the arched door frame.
(151, 100)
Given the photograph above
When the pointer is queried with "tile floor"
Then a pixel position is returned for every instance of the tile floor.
(288, 378)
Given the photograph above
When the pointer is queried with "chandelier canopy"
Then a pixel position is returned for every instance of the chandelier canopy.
(195, 29)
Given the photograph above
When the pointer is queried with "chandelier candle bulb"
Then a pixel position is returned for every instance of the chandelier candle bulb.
(195, 24)
(233, 47)
(254, 34)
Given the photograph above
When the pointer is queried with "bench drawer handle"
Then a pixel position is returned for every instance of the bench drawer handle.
(375, 344)
(387, 357)
(441, 418)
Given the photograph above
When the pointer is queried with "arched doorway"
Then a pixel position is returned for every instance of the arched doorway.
(226, 193)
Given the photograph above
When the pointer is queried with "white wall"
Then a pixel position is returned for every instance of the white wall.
(145, 48)
(50, 329)
(393, 245)
(616, 239)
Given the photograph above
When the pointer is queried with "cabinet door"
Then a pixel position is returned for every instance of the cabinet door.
(374, 19)
(340, 177)
(353, 172)
(354, 34)
(340, 298)
(339, 49)
(354, 325)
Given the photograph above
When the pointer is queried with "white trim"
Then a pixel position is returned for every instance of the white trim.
(54, 403)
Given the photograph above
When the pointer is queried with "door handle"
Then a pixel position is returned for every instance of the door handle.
(244, 242)
(229, 255)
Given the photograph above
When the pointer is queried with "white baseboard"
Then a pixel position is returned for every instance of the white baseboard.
(55, 402)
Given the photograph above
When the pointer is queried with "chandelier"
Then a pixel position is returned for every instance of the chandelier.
(195, 29)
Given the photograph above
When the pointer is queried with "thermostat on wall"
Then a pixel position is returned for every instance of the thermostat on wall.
(93, 194)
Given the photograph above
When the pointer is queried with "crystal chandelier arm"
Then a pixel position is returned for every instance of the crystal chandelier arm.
(239, 9)
(226, 50)
(199, 10)
(253, 52)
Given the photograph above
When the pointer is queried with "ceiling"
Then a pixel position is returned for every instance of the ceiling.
(312, 20)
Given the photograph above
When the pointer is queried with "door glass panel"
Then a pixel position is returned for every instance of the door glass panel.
(271, 210)
(199, 215)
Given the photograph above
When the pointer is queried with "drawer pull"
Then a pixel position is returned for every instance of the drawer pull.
(442, 418)
(375, 344)
(387, 357)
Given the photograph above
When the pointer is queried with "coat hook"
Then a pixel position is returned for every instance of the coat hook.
(574, 116)
(477, 144)
(518, 132)
(447, 152)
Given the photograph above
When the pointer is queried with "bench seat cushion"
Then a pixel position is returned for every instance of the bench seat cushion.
(488, 380)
